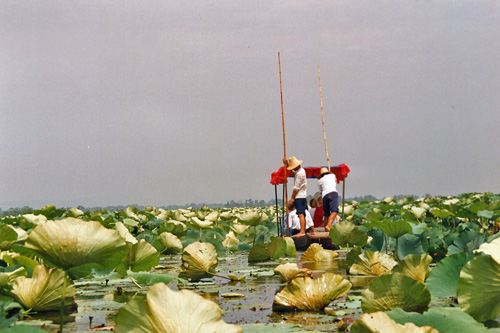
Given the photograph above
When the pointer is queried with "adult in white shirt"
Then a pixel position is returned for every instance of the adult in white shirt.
(294, 222)
(327, 183)
(299, 194)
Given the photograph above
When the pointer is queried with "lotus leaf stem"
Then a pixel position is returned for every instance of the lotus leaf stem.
(61, 324)
(135, 282)
(221, 276)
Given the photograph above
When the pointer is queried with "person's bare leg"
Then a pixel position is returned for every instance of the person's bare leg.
(302, 232)
(325, 222)
(331, 218)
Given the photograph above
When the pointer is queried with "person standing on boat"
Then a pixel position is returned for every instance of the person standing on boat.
(327, 183)
(299, 194)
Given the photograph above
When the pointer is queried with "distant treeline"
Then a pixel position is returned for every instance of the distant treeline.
(229, 204)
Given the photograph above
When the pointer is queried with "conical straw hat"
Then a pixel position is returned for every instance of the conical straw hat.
(293, 162)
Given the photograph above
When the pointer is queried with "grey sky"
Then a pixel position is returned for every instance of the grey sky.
(170, 102)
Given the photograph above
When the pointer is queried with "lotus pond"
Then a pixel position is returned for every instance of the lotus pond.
(431, 263)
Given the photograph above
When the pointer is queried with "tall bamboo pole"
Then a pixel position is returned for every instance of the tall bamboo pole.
(284, 149)
(323, 120)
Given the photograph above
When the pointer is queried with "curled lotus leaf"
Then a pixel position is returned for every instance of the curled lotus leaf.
(388, 292)
(7, 277)
(44, 291)
(168, 243)
(307, 294)
(290, 271)
(165, 310)
(381, 322)
(239, 228)
(141, 256)
(417, 212)
(291, 250)
(226, 215)
(346, 233)
(174, 227)
(74, 212)
(198, 224)
(478, 288)
(492, 248)
(415, 266)
(212, 216)
(230, 240)
(125, 233)
(199, 260)
(71, 242)
(316, 252)
(372, 263)
(8, 236)
(253, 218)
(179, 216)
(35, 219)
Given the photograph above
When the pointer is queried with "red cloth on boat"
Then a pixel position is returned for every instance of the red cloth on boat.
(341, 171)
(318, 216)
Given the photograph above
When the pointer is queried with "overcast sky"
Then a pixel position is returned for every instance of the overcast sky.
(174, 102)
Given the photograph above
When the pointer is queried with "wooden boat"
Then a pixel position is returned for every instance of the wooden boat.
(318, 236)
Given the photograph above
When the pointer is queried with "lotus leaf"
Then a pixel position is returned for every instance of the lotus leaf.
(198, 224)
(43, 292)
(493, 249)
(239, 228)
(213, 216)
(416, 267)
(178, 216)
(230, 240)
(276, 248)
(372, 263)
(346, 233)
(70, 242)
(74, 212)
(258, 252)
(291, 271)
(165, 310)
(441, 213)
(388, 292)
(174, 227)
(35, 219)
(316, 252)
(7, 277)
(141, 256)
(226, 215)
(199, 260)
(418, 212)
(125, 233)
(443, 279)
(8, 236)
(307, 294)
(479, 288)
(291, 250)
(168, 243)
(381, 322)
(393, 229)
(443, 319)
(253, 218)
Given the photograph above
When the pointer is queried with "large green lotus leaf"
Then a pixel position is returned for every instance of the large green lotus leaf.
(409, 244)
(168, 243)
(230, 240)
(381, 322)
(13, 258)
(165, 310)
(141, 256)
(258, 252)
(393, 229)
(316, 252)
(463, 241)
(253, 218)
(443, 319)
(149, 279)
(44, 291)
(71, 242)
(307, 294)
(8, 236)
(388, 292)
(291, 271)
(493, 249)
(276, 248)
(479, 288)
(199, 260)
(441, 213)
(346, 233)
(372, 263)
(7, 277)
(414, 266)
(352, 255)
(175, 227)
(443, 279)
(291, 250)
